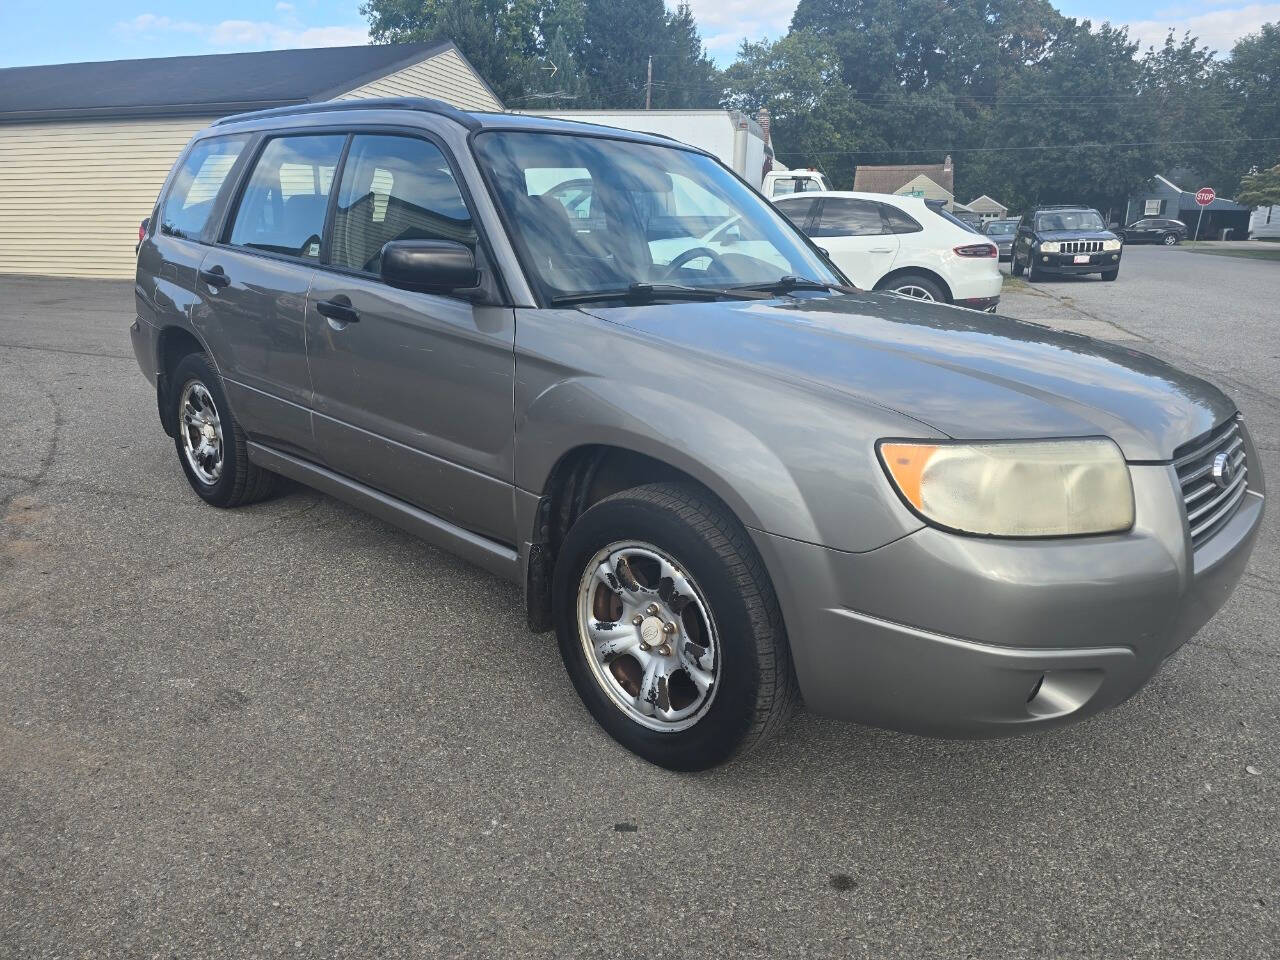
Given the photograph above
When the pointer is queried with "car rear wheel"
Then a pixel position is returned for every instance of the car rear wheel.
(669, 627)
(211, 445)
(917, 287)
(1169, 239)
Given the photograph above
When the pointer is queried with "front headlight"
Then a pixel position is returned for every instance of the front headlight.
(1037, 488)
(1112, 244)
(1049, 246)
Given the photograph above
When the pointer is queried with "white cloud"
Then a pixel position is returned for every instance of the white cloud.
(229, 35)
(724, 24)
(283, 7)
(1217, 29)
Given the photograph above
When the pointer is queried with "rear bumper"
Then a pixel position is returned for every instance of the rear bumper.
(963, 637)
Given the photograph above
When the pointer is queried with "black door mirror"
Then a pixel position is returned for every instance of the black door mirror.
(430, 266)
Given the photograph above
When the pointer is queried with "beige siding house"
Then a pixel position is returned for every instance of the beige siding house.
(85, 148)
(931, 181)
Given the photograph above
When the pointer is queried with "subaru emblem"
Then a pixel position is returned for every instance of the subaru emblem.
(1222, 470)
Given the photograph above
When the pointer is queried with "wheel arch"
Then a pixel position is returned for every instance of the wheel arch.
(172, 344)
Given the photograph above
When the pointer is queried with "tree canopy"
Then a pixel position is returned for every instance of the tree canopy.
(1033, 106)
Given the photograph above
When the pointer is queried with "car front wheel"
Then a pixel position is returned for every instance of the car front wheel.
(669, 627)
(1015, 267)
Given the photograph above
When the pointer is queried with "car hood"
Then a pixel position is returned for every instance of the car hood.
(968, 375)
(1075, 235)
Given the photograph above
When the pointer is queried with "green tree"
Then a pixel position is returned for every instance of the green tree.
(815, 120)
(1097, 153)
(1184, 96)
(499, 37)
(1261, 189)
(1253, 75)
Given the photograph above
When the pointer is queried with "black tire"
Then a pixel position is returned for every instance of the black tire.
(1033, 275)
(1110, 274)
(920, 282)
(1169, 239)
(239, 482)
(756, 690)
(1015, 268)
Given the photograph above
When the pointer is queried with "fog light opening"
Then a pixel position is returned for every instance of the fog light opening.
(1036, 688)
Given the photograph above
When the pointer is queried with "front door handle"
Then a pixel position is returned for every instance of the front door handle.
(215, 277)
(881, 250)
(338, 309)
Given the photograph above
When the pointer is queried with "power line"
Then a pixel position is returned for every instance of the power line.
(1057, 146)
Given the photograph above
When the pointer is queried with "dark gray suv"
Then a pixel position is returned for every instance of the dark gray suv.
(723, 476)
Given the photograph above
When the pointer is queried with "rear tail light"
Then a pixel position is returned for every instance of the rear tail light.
(977, 250)
(142, 229)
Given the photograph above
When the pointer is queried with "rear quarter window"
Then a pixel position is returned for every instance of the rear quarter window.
(195, 188)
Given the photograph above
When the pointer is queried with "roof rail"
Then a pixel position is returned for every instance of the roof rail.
(421, 104)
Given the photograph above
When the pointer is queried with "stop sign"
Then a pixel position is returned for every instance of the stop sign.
(1204, 196)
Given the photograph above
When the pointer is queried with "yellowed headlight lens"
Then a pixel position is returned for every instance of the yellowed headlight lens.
(1040, 488)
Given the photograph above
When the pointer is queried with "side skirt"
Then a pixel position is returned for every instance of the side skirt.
(486, 553)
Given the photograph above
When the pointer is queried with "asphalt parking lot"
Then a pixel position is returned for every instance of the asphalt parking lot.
(290, 730)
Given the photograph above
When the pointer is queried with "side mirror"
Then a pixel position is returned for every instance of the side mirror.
(429, 266)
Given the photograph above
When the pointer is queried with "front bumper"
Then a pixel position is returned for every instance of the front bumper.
(1064, 263)
(985, 304)
(966, 637)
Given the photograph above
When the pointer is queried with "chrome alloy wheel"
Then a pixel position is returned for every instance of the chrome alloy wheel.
(648, 636)
(201, 432)
(913, 291)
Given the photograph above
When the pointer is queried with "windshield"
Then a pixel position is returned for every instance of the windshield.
(1002, 228)
(1069, 220)
(593, 214)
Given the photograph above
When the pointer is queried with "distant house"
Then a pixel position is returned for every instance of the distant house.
(85, 147)
(988, 209)
(1161, 197)
(929, 181)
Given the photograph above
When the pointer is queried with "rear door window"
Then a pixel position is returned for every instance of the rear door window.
(844, 217)
(197, 184)
(395, 188)
(283, 207)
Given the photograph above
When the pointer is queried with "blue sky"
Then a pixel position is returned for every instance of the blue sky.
(57, 31)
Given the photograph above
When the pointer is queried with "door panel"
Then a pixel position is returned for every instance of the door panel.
(854, 233)
(415, 398)
(255, 325)
(413, 391)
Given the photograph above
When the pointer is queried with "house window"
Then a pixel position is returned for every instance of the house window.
(1153, 208)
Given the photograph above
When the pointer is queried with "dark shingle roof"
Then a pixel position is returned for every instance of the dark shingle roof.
(887, 179)
(205, 85)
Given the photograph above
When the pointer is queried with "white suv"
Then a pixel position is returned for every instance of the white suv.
(887, 242)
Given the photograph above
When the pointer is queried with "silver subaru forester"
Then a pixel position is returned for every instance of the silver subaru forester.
(725, 478)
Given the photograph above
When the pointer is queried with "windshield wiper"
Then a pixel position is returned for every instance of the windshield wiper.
(788, 283)
(648, 292)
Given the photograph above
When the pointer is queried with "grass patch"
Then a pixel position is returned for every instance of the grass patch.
(1244, 253)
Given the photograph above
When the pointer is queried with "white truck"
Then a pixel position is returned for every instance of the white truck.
(735, 138)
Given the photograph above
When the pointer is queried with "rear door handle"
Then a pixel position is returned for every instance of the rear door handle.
(215, 277)
(338, 309)
(881, 250)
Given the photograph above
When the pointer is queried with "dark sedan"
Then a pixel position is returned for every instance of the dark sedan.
(1001, 233)
(1155, 230)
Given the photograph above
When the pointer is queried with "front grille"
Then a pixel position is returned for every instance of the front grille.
(1211, 502)
(1081, 246)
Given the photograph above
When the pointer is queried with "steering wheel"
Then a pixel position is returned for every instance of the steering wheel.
(694, 253)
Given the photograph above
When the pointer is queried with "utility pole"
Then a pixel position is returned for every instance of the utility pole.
(648, 84)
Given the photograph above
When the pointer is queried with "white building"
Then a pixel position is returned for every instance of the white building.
(85, 147)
